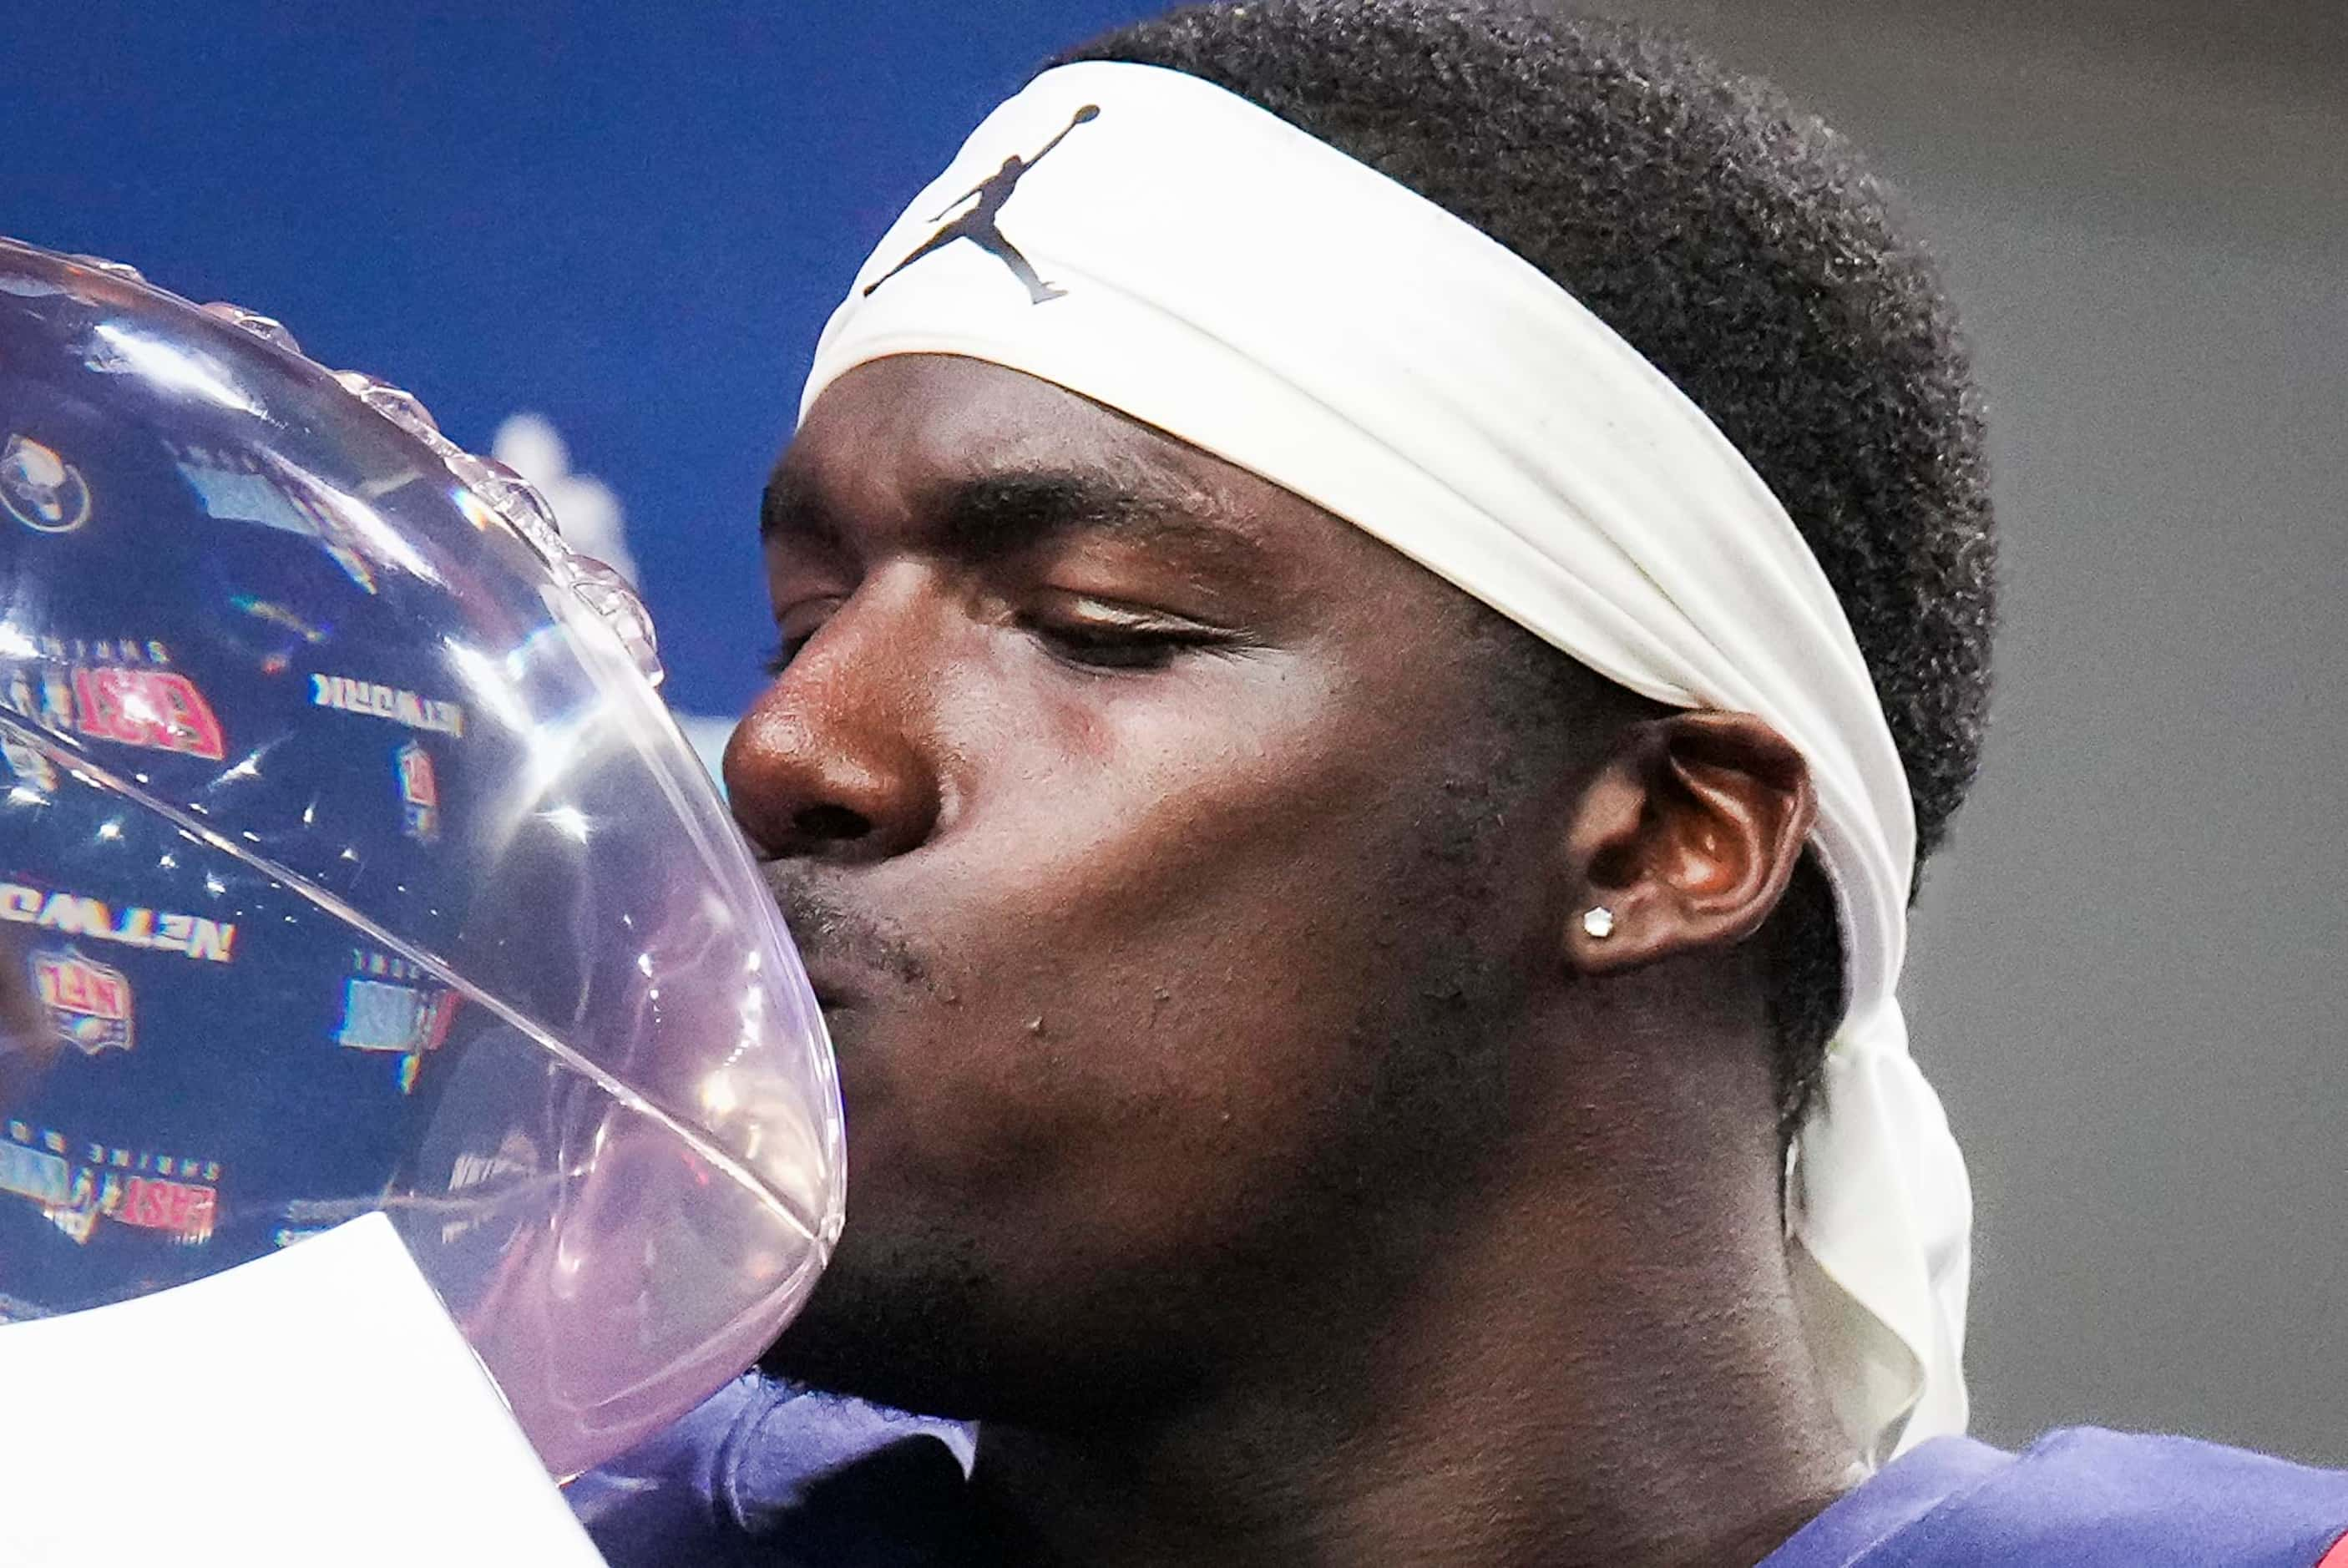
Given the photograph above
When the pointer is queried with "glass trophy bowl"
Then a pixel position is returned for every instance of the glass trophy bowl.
(350, 862)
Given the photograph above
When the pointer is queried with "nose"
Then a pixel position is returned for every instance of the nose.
(833, 761)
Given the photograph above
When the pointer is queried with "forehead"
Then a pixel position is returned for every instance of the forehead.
(895, 441)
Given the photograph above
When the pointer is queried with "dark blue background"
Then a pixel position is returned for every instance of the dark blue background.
(633, 218)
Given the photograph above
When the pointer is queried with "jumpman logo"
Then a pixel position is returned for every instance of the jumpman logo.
(978, 224)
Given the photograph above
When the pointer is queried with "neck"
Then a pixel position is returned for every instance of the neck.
(1585, 1370)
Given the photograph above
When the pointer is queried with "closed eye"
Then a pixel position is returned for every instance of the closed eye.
(1087, 634)
(799, 625)
(1119, 648)
(1100, 634)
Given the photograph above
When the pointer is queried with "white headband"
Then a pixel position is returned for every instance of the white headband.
(1173, 252)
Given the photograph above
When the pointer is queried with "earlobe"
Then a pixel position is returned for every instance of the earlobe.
(1685, 840)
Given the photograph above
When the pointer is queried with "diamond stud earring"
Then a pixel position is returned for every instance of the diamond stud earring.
(1599, 923)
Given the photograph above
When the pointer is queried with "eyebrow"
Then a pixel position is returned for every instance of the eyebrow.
(992, 515)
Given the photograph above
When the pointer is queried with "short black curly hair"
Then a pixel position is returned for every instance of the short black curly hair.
(1741, 246)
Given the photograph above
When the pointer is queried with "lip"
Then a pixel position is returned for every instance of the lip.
(837, 987)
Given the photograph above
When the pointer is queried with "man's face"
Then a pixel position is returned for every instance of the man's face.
(1162, 867)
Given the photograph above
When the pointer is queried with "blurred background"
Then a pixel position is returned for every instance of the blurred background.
(603, 238)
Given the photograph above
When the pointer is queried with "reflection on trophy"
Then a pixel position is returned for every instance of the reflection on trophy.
(40, 488)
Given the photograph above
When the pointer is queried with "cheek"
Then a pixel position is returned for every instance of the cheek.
(1167, 914)
(1229, 837)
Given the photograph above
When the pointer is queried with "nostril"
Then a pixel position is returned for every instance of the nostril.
(829, 824)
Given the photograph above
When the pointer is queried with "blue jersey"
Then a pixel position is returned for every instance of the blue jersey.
(767, 1475)
(2082, 1498)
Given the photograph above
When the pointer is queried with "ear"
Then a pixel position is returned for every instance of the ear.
(1687, 838)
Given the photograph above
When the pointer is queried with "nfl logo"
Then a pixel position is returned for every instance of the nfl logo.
(419, 792)
(88, 1003)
